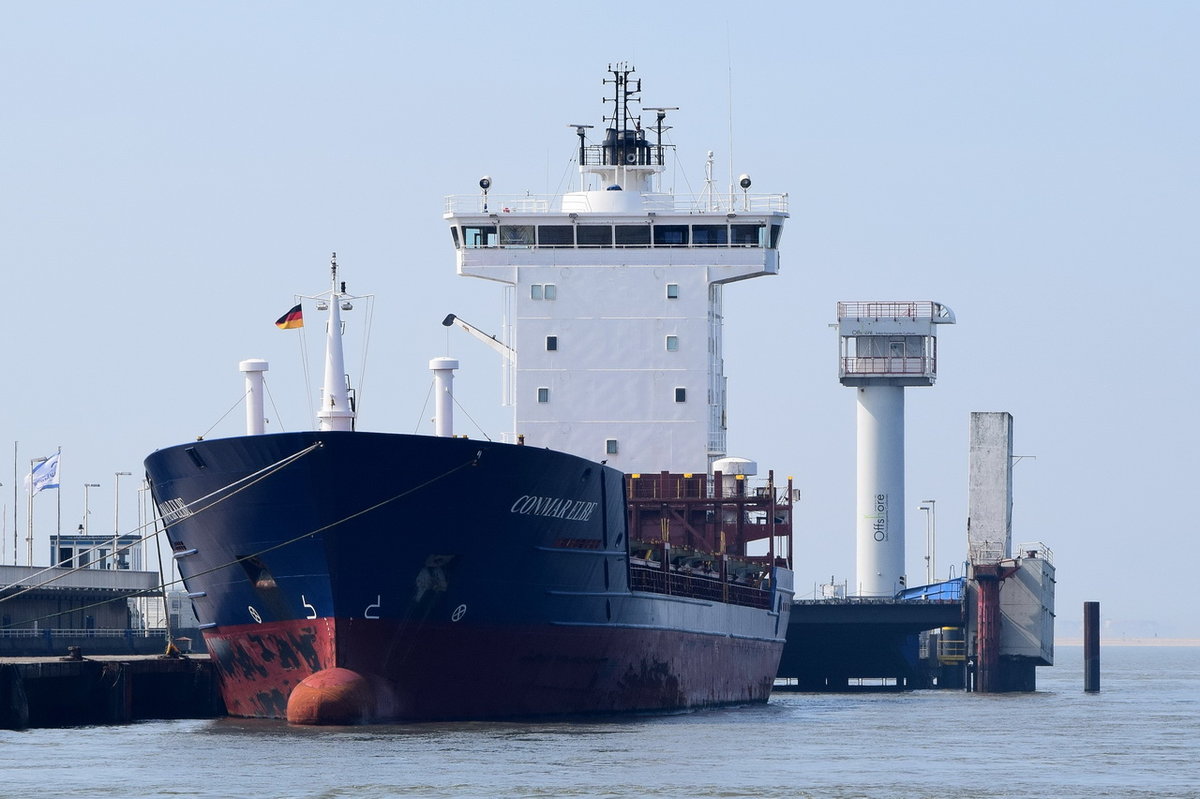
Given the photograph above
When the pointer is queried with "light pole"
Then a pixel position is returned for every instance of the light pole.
(86, 511)
(927, 505)
(116, 544)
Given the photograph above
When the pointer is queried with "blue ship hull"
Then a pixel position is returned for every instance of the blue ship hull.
(458, 579)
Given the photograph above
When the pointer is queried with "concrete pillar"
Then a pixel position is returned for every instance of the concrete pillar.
(880, 502)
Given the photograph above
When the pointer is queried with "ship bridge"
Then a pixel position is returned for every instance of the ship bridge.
(614, 296)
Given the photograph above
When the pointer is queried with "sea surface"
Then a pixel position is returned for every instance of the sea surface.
(1138, 737)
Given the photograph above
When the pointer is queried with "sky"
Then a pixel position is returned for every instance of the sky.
(173, 174)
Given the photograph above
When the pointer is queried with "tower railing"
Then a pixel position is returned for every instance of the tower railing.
(889, 365)
(912, 309)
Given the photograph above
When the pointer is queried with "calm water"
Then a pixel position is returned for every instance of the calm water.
(1139, 737)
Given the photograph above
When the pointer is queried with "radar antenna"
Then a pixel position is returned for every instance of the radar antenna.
(659, 128)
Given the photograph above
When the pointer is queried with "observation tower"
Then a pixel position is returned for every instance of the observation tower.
(885, 347)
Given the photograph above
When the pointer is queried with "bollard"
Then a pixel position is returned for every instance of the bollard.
(1091, 646)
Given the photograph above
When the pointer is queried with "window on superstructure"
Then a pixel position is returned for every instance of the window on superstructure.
(776, 232)
(479, 236)
(516, 235)
(670, 235)
(543, 394)
(745, 235)
(556, 235)
(672, 343)
(535, 291)
(633, 235)
(551, 343)
(672, 291)
(551, 291)
(610, 446)
(680, 394)
(594, 236)
(709, 235)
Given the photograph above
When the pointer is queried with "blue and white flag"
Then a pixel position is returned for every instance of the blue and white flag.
(44, 475)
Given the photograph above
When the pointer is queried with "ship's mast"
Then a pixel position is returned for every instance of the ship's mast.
(336, 412)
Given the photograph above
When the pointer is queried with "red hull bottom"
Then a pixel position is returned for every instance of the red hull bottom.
(443, 672)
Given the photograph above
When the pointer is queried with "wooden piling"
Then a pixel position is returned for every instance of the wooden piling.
(1091, 646)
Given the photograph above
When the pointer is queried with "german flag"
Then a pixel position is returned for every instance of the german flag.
(292, 319)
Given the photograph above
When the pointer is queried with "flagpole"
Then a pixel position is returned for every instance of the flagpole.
(16, 504)
(29, 516)
(58, 479)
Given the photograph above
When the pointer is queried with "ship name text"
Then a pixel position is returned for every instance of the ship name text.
(573, 510)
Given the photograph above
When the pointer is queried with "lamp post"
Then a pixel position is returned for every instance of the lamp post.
(116, 544)
(86, 511)
(927, 505)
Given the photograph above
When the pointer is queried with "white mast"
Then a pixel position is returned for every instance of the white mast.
(335, 412)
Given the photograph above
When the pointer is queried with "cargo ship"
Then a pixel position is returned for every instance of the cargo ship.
(605, 556)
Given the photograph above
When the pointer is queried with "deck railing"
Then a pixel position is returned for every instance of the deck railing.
(660, 202)
(655, 580)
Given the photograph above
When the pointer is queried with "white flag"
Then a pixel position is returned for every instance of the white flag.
(44, 475)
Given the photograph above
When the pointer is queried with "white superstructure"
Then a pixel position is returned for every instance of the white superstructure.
(617, 297)
(885, 346)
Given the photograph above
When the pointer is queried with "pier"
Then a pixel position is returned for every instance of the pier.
(76, 690)
(857, 643)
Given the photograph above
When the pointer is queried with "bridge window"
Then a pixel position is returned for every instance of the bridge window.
(516, 235)
(454, 235)
(745, 235)
(710, 235)
(556, 235)
(479, 236)
(670, 235)
(776, 232)
(594, 236)
(633, 235)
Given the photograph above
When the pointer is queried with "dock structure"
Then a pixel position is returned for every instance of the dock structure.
(77, 690)
(987, 632)
(864, 643)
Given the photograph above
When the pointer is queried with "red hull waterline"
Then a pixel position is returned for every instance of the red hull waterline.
(347, 671)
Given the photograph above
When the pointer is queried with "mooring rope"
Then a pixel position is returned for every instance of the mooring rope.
(325, 528)
(249, 480)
